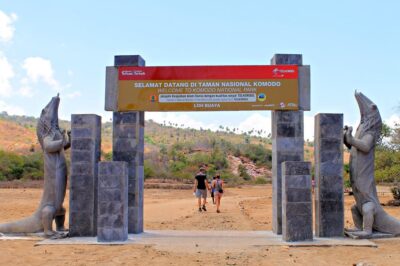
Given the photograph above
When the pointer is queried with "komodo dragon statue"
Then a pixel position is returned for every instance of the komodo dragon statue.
(53, 141)
(368, 214)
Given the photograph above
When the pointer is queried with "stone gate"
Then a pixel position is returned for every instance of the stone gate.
(99, 206)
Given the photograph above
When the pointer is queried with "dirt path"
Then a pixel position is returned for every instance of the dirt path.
(187, 217)
(247, 208)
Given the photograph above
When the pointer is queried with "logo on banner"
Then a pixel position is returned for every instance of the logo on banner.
(262, 97)
(133, 73)
(281, 72)
(153, 98)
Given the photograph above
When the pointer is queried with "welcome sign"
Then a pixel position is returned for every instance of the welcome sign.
(208, 88)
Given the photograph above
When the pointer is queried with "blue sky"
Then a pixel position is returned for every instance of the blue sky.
(52, 46)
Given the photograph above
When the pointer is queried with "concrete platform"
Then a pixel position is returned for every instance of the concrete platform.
(31, 237)
(375, 235)
(173, 240)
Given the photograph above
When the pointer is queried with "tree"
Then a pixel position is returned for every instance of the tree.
(386, 132)
(395, 137)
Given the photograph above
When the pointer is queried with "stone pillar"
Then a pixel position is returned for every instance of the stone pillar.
(128, 146)
(328, 154)
(113, 202)
(296, 201)
(85, 155)
(287, 143)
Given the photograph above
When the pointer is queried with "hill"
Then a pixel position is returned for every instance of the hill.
(18, 133)
(171, 152)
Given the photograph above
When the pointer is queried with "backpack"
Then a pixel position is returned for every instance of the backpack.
(220, 190)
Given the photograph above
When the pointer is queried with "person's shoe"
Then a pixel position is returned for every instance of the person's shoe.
(218, 211)
(204, 208)
(199, 209)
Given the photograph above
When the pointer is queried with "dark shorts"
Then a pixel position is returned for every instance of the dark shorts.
(217, 193)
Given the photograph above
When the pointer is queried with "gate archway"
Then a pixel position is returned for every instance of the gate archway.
(128, 73)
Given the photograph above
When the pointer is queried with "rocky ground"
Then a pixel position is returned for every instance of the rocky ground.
(252, 170)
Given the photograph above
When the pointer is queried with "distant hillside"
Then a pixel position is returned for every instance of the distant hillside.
(18, 134)
(17, 138)
(171, 152)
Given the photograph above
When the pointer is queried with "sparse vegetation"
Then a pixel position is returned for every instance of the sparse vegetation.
(176, 153)
(170, 152)
(243, 172)
(387, 155)
(396, 192)
(261, 181)
(26, 167)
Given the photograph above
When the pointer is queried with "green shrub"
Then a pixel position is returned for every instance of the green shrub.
(177, 146)
(163, 149)
(148, 170)
(257, 153)
(107, 156)
(177, 166)
(347, 183)
(387, 165)
(218, 159)
(33, 175)
(148, 139)
(14, 166)
(200, 158)
(261, 181)
(184, 175)
(243, 172)
(388, 174)
(396, 192)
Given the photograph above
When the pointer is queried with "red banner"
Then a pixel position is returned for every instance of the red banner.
(208, 72)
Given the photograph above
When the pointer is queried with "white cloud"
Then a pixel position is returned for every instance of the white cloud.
(26, 91)
(256, 122)
(11, 109)
(6, 26)
(308, 128)
(73, 95)
(6, 74)
(259, 122)
(392, 120)
(40, 69)
(107, 116)
(180, 119)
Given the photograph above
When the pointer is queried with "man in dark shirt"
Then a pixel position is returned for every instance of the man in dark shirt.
(199, 188)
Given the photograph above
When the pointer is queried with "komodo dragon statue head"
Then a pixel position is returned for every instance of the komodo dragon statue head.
(368, 214)
(48, 120)
(371, 121)
(53, 141)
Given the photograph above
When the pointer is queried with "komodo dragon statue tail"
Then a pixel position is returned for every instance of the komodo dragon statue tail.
(368, 214)
(53, 142)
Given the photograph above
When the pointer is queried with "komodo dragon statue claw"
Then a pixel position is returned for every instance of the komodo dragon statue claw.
(368, 214)
(53, 141)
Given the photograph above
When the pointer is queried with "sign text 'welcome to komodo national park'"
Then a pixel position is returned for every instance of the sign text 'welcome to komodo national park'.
(208, 88)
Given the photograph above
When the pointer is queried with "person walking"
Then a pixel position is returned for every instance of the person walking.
(200, 188)
(212, 190)
(218, 185)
